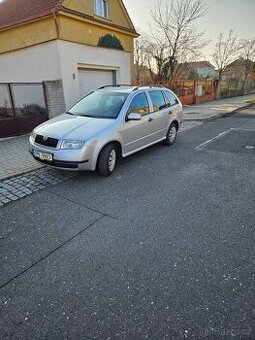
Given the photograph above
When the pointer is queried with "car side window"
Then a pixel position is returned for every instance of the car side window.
(158, 100)
(172, 98)
(139, 104)
(168, 103)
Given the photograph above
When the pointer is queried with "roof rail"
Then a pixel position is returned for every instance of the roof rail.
(116, 85)
(148, 86)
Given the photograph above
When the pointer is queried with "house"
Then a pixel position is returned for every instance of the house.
(239, 69)
(195, 71)
(56, 42)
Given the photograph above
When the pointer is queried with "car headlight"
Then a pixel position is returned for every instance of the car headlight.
(71, 144)
(33, 135)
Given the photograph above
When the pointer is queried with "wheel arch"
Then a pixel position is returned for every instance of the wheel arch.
(118, 146)
(176, 123)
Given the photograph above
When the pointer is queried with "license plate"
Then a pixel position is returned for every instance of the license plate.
(44, 156)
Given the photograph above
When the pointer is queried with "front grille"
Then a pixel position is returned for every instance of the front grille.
(52, 142)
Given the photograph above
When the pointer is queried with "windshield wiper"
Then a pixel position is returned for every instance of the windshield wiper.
(69, 113)
(83, 115)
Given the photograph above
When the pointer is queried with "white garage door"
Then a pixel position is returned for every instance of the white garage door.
(93, 79)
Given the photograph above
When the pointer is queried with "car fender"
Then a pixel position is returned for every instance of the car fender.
(99, 143)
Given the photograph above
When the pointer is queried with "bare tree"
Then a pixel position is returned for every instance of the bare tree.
(139, 55)
(225, 52)
(247, 48)
(175, 37)
(142, 58)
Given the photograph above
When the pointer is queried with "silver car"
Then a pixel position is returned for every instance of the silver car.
(108, 123)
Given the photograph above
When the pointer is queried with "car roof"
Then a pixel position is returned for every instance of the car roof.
(127, 88)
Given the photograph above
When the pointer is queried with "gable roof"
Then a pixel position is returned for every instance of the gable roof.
(240, 62)
(183, 70)
(198, 64)
(13, 12)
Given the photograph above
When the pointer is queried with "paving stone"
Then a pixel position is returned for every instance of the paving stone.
(24, 185)
(6, 200)
(20, 161)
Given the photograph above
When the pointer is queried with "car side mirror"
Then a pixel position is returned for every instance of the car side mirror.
(134, 116)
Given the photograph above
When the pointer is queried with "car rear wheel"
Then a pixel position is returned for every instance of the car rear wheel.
(171, 134)
(107, 160)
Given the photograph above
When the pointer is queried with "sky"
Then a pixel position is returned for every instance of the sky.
(222, 16)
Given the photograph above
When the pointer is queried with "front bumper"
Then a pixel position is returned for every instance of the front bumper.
(61, 164)
(82, 159)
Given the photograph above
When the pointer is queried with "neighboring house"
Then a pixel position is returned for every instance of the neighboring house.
(56, 42)
(240, 69)
(195, 71)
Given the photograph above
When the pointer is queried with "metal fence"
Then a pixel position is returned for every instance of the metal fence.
(199, 91)
(192, 92)
(22, 107)
(232, 88)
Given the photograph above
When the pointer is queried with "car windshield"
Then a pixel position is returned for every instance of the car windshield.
(100, 105)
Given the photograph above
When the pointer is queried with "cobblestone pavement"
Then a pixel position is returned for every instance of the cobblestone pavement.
(15, 158)
(23, 185)
(15, 188)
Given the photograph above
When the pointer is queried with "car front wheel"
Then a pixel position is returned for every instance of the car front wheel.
(107, 160)
(171, 134)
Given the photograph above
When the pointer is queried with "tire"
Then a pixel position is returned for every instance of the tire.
(171, 134)
(107, 160)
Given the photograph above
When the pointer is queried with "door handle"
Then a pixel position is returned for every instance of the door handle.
(150, 119)
(170, 112)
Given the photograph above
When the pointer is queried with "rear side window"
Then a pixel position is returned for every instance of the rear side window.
(172, 98)
(139, 104)
(158, 100)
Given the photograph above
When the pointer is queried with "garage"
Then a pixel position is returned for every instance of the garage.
(91, 79)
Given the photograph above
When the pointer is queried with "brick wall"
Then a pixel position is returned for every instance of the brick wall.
(54, 97)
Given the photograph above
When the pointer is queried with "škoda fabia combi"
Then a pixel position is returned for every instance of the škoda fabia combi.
(111, 122)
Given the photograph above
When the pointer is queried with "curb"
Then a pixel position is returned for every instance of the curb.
(22, 173)
(220, 115)
(14, 137)
(230, 113)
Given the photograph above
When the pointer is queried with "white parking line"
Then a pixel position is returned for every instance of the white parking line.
(203, 145)
(242, 129)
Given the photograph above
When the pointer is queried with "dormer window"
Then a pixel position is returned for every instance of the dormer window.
(102, 8)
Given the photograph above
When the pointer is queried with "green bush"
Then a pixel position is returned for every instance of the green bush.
(110, 41)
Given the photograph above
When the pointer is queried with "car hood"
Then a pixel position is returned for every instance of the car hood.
(67, 126)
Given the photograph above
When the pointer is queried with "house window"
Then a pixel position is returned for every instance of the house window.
(102, 8)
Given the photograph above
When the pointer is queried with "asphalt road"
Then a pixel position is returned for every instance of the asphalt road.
(163, 249)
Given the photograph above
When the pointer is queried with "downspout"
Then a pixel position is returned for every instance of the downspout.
(55, 22)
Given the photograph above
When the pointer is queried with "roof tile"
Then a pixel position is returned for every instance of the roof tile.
(16, 11)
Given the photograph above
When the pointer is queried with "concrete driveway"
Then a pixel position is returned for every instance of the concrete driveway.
(163, 249)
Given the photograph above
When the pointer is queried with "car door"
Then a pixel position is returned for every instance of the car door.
(161, 111)
(175, 106)
(137, 133)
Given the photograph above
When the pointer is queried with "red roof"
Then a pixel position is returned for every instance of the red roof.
(16, 11)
